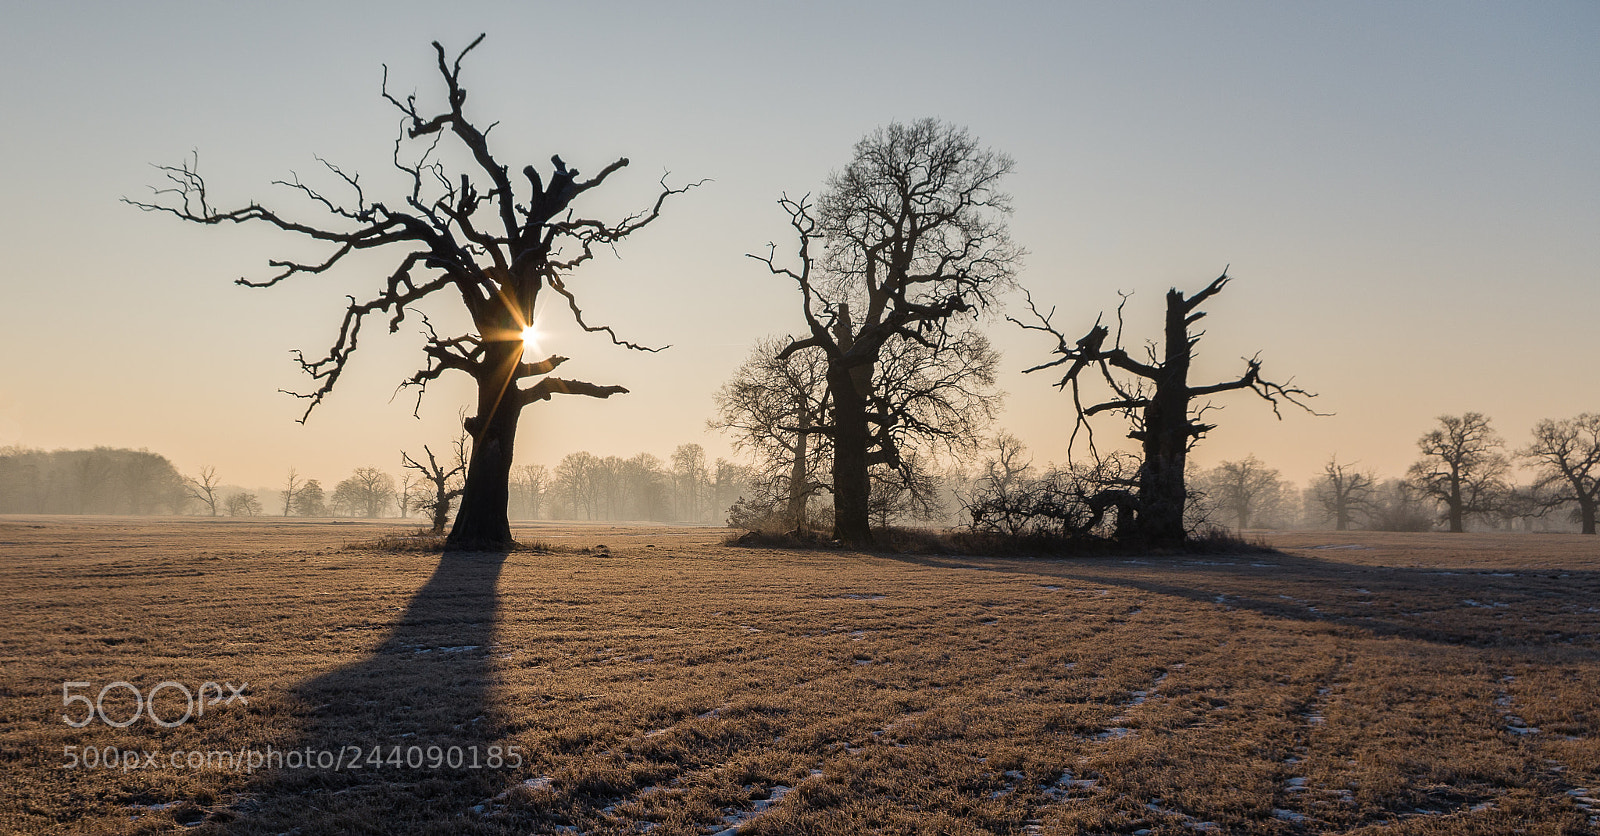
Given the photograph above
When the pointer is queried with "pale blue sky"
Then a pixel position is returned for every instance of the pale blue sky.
(1409, 195)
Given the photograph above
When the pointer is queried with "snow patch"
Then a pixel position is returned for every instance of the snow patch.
(738, 819)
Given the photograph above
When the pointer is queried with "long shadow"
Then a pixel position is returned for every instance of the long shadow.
(400, 741)
(1460, 607)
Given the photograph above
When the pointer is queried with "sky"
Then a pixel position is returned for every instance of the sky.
(1408, 195)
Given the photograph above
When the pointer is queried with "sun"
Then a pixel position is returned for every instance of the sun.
(530, 338)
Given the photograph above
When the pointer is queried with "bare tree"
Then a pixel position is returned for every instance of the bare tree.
(243, 505)
(1342, 492)
(909, 491)
(291, 489)
(576, 484)
(1462, 467)
(1155, 396)
(403, 493)
(367, 491)
(1064, 503)
(729, 481)
(911, 234)
(943, 401)
(1398, 505)
(310, 501)
(1245, 488)
(529, 482)
(442, 478)
(491, 244)
(1567, 456)
(690, 479)
(996, 500)
(773, 408)
(1520, 505)
(203, 488)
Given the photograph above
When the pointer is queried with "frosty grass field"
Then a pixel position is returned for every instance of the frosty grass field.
(652, 679)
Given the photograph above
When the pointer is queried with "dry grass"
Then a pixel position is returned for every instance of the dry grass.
(656, 679)
(426, 542)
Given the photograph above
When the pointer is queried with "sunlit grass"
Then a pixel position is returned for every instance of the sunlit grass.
(657, 677)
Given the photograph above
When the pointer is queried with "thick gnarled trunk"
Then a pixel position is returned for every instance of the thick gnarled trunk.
(1162, 492)
(481, 520)
(851, 485)
(1167, 430)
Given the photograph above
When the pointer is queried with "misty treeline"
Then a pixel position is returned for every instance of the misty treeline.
(684, 487)
(103, 480)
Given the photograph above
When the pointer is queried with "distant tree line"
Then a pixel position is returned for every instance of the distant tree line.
(583, 486)
(1462, 480)
(103, 480)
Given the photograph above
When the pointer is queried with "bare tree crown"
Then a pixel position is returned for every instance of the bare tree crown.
(1136, 384)
(494, 242)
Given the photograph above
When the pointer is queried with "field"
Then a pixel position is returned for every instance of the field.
(652, 679)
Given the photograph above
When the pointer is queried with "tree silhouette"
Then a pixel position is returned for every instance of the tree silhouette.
(1245, 488)
(291, 489)
(1567, 455)
(1342, 492)
(491, 244)
(773, 408)
(367, 492)
(309, 500)
(243, 505)
(1461, 467)
(529, 483)
(909, 235)
(1156, 397)
(442, 479)
(203, 488)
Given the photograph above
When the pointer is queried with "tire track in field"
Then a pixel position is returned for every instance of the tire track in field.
(1296, 791)
(1584, 798)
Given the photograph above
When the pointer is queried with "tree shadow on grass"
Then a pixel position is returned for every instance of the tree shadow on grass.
(389, 744)
(1522, 609)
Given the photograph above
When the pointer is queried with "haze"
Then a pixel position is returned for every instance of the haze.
(1408, 196)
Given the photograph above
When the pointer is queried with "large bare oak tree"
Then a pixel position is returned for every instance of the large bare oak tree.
(1567, 454)
(494, 243)
(1462, 467)
(911, 234)
(1156, 397)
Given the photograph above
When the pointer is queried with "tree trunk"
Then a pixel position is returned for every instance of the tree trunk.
(441, 506)
(851, 485)
(1457, 504)
(481, 520)
(1162, 493)
(799, 479)
(1586, 513)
